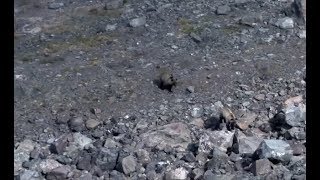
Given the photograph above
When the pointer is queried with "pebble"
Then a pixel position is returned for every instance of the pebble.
(138, 22)
(196, 38)
(259, 97)
(92, 123)
(76, 124)
(302, 34)
(111, 27)
(190, 89)
(113, 4)
(223, 10)
(143, 156)
(197, 112)
(55, 5)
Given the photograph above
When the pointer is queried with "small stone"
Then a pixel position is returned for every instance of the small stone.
(261, 167)
(48, 165)
(282, 92)
(215, 139)
(197, 112)
(197, 173)
(298, 149)
(246, 120)
(111, 27)
(197, 122)
(107, 159)
(85, 176)
(196, 38)
(91, 123)
(285, 23)
(251, 20)
(76, 124)
(128, 164)
(109, 143)
(55, 5)
(81, 140)
(260, 97)
(113, 4)
(143, 156)
(179, 173)
(274, 150)
(218, 160)
(208, 175)
(201, 158)
(190, 89)
(138, 22)
(265, 127)
(117, 175)
(302, 34)
(84, 163)
(246, 104)
(240, 1)
(60, 144)
(223, 10)
(189, 157)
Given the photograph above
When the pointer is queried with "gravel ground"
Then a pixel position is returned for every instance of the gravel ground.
(88, 105)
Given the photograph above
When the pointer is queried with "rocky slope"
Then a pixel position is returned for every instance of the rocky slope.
(87, 104)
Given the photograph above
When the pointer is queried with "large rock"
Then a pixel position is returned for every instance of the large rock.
(261, 167)
(59, 173)
(48, 165)
(295, 112)
(273, 149)
(107, 159)
(60, 144)
(128, 164)
(246, 120)
(22, 153)
(219, 139)
(143, 156)
(177, 174)
(248, 144)
(219, 160)
(30, 175)
(175, 135)
(81, 140)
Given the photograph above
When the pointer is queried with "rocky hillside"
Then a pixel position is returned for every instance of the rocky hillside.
(88, 104)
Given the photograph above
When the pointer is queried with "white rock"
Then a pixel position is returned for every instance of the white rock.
(285, 23)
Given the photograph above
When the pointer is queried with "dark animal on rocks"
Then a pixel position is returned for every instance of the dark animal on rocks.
(228, 117)
(166, 80)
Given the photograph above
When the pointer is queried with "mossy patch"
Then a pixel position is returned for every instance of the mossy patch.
(187, 26)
